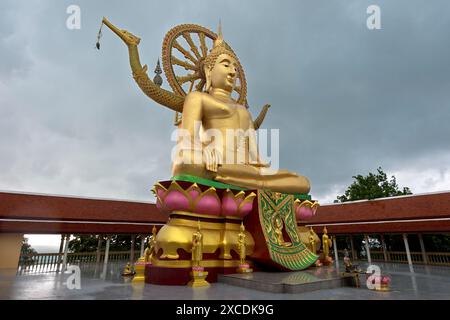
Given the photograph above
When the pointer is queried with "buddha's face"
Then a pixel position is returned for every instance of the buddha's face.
(223, 74)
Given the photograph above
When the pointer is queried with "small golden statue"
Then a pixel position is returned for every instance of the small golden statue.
(241, 244)
(198, 275)
(279, 232)
(128, 270)
(351, 270)
(326, 245)
(151, 247)
(149, 252)
(244, 267)
(197, 247)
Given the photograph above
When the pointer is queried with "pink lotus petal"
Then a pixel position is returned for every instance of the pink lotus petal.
(175, 200)
(304, 213)
(160, 193)
(208, 204)
(246, 208)
(194, 194)
(229, 206)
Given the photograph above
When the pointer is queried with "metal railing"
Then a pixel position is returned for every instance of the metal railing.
(436, 258)
(431, 258)
(52, 262)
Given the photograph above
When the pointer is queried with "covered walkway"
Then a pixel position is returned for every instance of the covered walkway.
(396, 229)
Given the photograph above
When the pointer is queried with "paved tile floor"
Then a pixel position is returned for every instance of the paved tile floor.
(425, 283)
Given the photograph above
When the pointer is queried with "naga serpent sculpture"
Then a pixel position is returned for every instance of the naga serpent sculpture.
(171, 65)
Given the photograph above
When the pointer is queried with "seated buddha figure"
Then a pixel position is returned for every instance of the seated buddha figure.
(217, 139)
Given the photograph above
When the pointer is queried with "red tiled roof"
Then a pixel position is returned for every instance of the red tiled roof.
(424, 212)
(56, 214)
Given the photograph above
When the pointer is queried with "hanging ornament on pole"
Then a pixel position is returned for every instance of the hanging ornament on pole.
(99, 35)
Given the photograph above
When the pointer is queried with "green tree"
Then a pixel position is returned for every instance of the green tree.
(26, 250)
(26, 247)
(372, 186)
(89, 243)
(83, 243)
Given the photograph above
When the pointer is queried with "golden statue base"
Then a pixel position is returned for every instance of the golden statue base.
(383, 288)
(219, 234)
(139, 268)
(383, 285)
(198, 276)
(244, 268)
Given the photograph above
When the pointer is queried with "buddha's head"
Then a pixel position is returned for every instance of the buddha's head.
(220, 66)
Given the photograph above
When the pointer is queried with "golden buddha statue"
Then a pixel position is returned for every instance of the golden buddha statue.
(326, 243)
(279, 232)
(241, 244)
(150, 250)
(197, 247)
(127, 271)
(216, 149)
(232, 159)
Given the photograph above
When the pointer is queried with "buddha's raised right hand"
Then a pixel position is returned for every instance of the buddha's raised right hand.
(212, 159)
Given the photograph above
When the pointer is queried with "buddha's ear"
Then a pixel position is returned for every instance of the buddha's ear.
(208, 78)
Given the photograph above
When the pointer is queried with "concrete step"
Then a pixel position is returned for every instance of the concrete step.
(317, 278)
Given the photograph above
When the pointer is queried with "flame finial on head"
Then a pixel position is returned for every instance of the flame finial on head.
(219, 39)
(219, 47)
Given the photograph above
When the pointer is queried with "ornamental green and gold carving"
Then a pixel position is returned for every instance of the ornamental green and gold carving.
(276, 213)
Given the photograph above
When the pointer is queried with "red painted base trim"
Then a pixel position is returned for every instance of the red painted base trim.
(180, 276)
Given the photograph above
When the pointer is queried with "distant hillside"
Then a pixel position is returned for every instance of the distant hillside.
(46, 249)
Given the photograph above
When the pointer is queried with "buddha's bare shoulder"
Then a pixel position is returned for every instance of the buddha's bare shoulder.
(205, 97)
(197, 95)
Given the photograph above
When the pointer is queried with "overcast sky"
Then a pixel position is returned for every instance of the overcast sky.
(346, 99)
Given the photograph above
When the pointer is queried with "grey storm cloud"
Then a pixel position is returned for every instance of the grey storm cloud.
(346, 99)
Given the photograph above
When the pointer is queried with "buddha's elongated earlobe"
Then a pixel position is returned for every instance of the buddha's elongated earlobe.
(208, 79)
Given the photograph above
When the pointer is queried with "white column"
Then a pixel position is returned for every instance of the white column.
(352, 247)
(369, 258)
(66, 250)
(422, 248)
(99, 247)
(408, 253)
(336, 256)
(105, 262)
(61, 247)
(383, 245)
(142, 245)
(133, 238)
